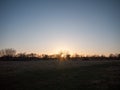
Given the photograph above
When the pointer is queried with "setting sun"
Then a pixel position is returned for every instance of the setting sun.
(63, 49)
(59, 44)
(50, 27)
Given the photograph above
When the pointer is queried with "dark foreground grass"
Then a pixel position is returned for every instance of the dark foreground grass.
(104, 76)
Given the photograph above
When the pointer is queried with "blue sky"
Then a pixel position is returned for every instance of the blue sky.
(48, 26)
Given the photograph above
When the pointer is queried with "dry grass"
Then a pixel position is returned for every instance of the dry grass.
(56, 75)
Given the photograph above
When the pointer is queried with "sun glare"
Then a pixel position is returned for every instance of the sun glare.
(63, 54)
(63, 50)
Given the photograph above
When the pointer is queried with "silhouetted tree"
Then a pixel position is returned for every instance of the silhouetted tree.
(31, 55)
(68, 56)
(45, 56)
(118, 55)
(21, 55)
(8, 52)
(111, 55)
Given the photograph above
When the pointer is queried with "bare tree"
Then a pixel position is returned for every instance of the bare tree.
(32, 55)
(7, 52)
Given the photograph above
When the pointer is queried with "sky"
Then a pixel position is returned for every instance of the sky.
(48, 26)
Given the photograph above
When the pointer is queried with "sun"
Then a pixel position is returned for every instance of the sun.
(63, 51)
(62, 56)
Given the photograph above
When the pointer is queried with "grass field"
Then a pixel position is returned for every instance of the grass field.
(56, 75)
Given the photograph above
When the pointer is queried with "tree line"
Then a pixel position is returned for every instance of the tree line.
(11, 54)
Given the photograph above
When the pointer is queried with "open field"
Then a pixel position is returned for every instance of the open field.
(58, 75)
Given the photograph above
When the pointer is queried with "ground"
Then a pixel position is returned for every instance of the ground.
(59, 75)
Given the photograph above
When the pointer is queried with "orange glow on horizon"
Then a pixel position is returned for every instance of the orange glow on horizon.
(65, 51)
